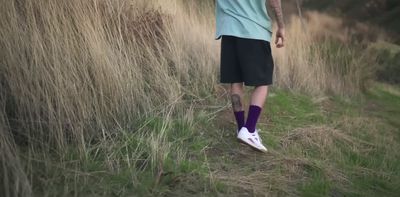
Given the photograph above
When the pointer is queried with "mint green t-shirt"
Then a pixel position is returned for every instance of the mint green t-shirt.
(244, 19)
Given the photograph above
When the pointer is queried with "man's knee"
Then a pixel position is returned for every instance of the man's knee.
(237, 88)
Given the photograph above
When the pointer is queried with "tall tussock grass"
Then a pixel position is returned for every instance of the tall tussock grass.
(77, 71)
(322, 56)
(76, 67)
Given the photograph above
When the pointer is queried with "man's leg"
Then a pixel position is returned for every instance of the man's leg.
(258, 98)
(236, 99)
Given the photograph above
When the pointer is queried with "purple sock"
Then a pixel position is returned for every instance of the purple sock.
(239, 115)
(254, 113)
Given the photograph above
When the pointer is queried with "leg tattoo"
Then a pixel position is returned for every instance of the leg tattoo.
(238, 110)
(236, 103)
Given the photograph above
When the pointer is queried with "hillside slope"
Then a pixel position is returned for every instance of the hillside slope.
(321, 146)
(383, 13)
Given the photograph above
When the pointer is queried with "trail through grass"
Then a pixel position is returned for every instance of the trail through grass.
(317, 147)
(323, 146)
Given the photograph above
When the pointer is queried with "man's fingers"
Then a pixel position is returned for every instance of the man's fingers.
(279, 41)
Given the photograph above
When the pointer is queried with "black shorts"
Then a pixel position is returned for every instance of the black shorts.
(246, 60)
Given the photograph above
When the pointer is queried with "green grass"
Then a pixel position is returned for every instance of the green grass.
(318, 185)
(322, 146)
(338, 146)
(125, 165)
(286, 111)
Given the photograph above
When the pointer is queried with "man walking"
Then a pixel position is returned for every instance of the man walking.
(245, 29)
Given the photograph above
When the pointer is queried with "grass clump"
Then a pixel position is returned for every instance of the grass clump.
(319, 62)
(388, 60)
(83, 77)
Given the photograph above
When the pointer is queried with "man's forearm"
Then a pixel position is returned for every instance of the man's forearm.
(277, 7)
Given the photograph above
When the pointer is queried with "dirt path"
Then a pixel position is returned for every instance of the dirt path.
(316, 146)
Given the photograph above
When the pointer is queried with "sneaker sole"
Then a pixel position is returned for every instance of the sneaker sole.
(253, 147)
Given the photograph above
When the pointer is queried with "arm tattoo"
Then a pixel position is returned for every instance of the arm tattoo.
(277, 7)
(236, 103)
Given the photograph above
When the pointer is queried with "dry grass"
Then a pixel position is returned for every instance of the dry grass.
(77, 72)
(318, 60)
(87, 66)
(14, 180)
(74, 71)
(336, 147)
(307, 150)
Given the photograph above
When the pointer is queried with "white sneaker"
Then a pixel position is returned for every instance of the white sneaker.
(237, 133)
(251, 139)
(258, 136)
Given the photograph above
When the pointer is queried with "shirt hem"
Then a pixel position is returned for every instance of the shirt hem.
(243, 36)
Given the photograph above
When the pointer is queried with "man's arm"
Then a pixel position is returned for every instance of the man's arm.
(280, 34)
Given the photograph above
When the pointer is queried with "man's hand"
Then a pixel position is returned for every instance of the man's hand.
(280, 38)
